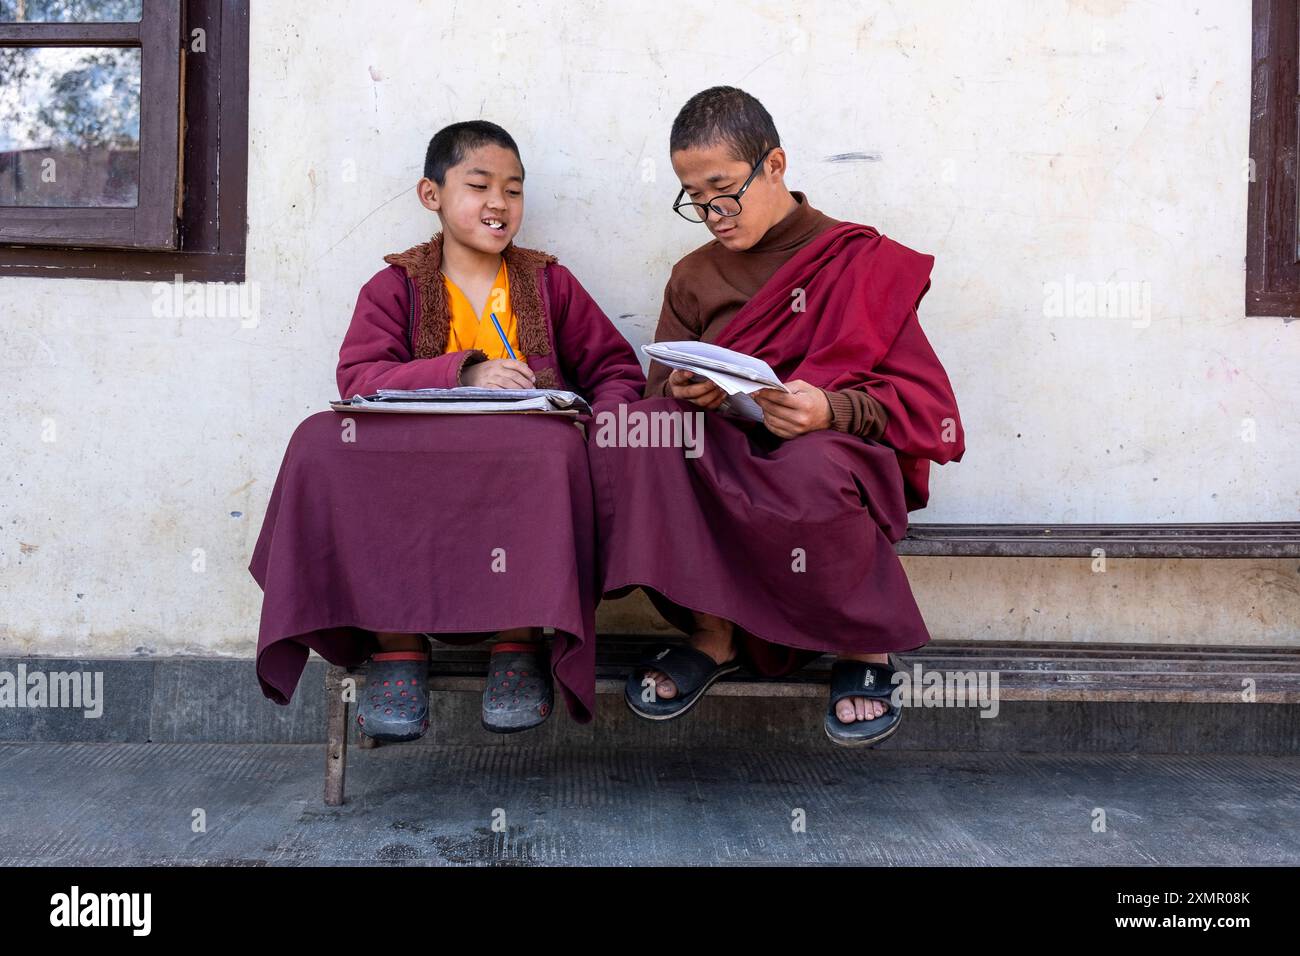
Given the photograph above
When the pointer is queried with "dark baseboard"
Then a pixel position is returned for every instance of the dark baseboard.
(204, 700)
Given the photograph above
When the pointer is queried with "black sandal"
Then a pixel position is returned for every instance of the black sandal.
(692, 671)
(862, 679)
(519, 692)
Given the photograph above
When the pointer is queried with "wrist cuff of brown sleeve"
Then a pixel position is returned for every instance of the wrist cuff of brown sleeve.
(841, 410)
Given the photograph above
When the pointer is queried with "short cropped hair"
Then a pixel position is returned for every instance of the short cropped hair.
(724, 114)
(450, 144)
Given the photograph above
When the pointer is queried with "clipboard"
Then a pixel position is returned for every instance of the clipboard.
(415, 408)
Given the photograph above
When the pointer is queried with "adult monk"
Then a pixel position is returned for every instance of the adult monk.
(774, 545)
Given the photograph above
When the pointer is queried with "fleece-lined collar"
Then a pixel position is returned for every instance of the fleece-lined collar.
(423, 264)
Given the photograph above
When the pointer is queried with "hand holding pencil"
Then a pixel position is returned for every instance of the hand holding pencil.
(500, 373)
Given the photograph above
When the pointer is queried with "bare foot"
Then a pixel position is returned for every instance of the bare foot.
(852, 709)
(712, 636)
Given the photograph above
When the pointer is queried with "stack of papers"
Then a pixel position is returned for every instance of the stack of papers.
(467, 400)
(737, 374)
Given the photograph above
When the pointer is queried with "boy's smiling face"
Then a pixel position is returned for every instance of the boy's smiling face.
(709, 171)
(481, 200)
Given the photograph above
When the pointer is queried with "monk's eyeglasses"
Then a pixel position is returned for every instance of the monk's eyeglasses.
(728, 205)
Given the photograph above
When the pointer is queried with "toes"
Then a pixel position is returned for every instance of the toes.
(664, 688)
(859, 708)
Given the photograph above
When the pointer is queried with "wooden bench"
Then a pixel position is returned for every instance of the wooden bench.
(1259, 539)
(1026, 671)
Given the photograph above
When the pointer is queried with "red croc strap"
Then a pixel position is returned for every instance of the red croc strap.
(513, 646)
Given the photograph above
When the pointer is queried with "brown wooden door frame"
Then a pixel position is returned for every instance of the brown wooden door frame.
(1273, 221)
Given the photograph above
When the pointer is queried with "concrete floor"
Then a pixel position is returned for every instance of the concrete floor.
(88, 803)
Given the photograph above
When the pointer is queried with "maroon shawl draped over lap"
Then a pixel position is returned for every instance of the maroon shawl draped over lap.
(792, 540)
(445, 524)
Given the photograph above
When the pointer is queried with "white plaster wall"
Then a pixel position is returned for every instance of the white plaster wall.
(1023, 142)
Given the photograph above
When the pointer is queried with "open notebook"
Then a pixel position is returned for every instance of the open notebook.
(467, 400)
(737, 374)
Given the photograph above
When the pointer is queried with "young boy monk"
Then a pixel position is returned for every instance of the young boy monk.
(776, 542)
(385, 529)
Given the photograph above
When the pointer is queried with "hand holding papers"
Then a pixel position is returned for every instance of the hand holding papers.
(737, 374)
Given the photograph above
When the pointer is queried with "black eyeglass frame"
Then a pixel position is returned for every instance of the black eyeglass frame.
(678, 205)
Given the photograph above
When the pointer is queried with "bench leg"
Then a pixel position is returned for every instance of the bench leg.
(336, 730)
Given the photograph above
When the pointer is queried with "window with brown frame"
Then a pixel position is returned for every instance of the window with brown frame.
(123, 138)
(1273, 226)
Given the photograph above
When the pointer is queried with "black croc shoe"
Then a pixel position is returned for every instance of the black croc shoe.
(519, 692)
(394, 703)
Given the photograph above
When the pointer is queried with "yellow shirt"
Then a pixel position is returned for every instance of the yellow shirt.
(470, 331)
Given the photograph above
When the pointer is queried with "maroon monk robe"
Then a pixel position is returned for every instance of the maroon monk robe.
(792, 540)
(445, 524)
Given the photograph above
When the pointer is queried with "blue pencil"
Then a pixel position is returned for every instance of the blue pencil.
(502, 332)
